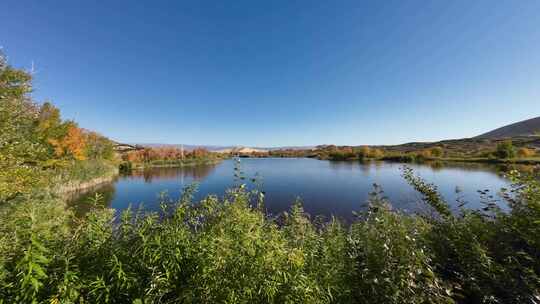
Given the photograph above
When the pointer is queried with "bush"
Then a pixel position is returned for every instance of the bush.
(402, 158)
(342, 155)
(525, 152)
(505, 150)
(125, 167)
(490, 256)
(391, 262)
(437, 152)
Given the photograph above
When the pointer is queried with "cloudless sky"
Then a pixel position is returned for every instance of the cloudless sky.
(276, 73)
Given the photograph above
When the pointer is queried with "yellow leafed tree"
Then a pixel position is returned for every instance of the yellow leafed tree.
(72, 144)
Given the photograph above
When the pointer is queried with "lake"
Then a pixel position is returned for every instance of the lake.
(325, 187)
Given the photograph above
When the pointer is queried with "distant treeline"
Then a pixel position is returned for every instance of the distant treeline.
(146, 157)
(165, 153)
(481, 150)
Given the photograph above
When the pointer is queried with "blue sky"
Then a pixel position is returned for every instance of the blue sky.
(276, 73)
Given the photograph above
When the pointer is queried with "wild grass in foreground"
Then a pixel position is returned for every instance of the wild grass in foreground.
(229, 251)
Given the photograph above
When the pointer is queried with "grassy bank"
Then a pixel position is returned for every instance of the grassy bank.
(83, 175)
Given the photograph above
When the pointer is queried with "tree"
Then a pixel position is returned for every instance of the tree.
(199, 153)
(19, 150)
(437, 152)
(49, 126)
(72, 145)
(364, 152)
(505, 150)
(98, 146)
(377, 153)
(14, 83)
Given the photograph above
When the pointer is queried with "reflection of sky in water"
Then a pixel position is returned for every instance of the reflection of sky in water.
(325, 187)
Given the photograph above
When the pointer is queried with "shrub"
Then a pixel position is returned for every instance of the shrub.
(505, 150)
(125, 167)
(437, 152)
(391, 262)
(525, 152)
(342, 155)
(377, 153)
(364, 152)
(482, 254)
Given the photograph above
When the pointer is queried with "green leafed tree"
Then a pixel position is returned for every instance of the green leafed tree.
(19, 149)
(505, 150)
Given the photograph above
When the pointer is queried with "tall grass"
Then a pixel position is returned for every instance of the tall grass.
(227, 250)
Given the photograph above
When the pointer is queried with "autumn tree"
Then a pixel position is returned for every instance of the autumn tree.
(199, 153)
(98, 146)
(72, 145)
(50, 127)
(33, 138)
(525, 152)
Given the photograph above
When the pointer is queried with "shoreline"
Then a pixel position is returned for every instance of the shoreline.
(530, 162)
(77, 186)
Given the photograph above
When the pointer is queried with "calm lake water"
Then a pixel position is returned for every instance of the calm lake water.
(325, 187)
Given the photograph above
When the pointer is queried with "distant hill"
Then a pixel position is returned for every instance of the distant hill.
(523, 128)
(241, 150)
(223, 149)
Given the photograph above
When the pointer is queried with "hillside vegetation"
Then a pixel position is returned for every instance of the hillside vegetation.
(525, 150)
(527, 127)
(38, 149)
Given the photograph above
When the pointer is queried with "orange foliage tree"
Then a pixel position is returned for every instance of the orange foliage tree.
(164, 153)
(71, 145)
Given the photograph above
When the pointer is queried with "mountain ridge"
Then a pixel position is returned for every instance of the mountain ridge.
(526, 127)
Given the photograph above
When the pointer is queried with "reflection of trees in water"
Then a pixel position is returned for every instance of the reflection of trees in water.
(81, 202)
(483, 167)
(198, 173)
(494, 168)
(365, 166)
(343, 164)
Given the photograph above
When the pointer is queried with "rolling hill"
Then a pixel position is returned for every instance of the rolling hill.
(523, 128)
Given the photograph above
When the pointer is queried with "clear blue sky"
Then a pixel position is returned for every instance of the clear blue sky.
(273, 73)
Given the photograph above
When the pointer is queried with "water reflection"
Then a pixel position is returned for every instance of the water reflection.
(326, 187)
(196, 173)
(83, 201)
